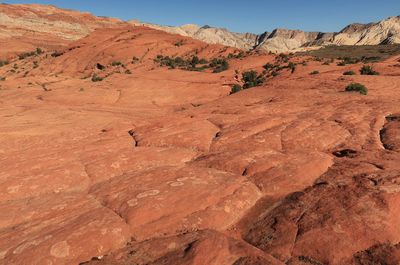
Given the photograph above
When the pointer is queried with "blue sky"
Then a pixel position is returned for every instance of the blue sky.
(241, 16)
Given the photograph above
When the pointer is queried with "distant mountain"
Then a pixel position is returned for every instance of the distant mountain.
(285, 40)
(245, 41)
(383, 32)
(30, 26)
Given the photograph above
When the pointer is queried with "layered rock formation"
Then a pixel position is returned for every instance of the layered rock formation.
(25, 27)
(284, 40)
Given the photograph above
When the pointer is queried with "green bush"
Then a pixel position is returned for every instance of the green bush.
(219, 65)
(368, 70)
(96, 78)
(314, 73)
(236, 88)
(252, 79)
(292, 67)
(268, 66)
(349, 73)
(24, 55)
(39, 51)
(357, 87)
(116, 63)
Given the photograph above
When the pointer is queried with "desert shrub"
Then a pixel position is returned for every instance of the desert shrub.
(357, 87)
(179, 43)
(349, 60)
(326, 63)
(368, 70)
(236, 88)
(273, 73)
(81, 89)
(2, 78)
(283, 58)
(292, 67)
(24, 55)
(252, 79)
(195, 60)
(39, 51)
(116, 63)
(2, 63)
(349, 73)
(134, 59)
(15, 66)
(57, 54)
(35, 64)
(341, 63)
(240, 55)
(314, 73)
(96, 78)
(219, 65)
(268, 66)
(128, 72)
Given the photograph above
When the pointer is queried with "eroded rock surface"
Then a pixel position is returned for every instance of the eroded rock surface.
(163, 166)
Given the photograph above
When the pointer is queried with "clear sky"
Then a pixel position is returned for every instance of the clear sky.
(241, 16)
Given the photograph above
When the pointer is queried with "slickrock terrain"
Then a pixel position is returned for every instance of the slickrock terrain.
(122, 148)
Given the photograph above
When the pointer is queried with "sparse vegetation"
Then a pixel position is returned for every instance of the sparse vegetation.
(219, 65)
(35, 64)
(57, 54)
(116, 63)
(252, 79)
(349, 73)
(26, 55)
(2, 78)
(314, 73)
(128, 72)
(193, 63)
(3, 63)
(134, 59)
(362, 53)
(292, 67)
(236, 88)
(283, 58)
(368, 70)
(357, 87)
(39, 51)
(96, 78)
(179, 43)
(239, 55)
